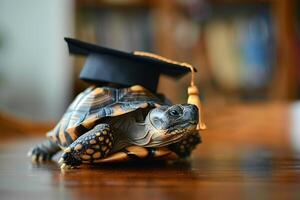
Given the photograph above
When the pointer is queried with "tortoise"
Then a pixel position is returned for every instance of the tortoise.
(106, 124)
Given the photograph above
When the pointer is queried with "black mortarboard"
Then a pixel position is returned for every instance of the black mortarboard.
(104, 65)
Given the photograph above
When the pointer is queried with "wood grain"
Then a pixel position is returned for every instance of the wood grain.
(246, 154)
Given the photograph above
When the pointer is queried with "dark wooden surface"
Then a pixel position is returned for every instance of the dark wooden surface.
(248, 152)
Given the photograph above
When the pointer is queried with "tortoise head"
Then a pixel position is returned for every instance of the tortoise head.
(169, 124)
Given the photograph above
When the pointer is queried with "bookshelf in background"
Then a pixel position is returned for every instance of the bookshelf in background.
(287, 77)
(152, 25)
(182, 30)
(298, 45)
(240, 45)
(284, 84)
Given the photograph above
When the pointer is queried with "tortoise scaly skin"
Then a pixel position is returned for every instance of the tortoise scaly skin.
(113, 125)
(90, 147)
(185, 147)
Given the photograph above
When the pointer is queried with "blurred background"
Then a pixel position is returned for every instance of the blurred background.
(247, 53)
(244, 50)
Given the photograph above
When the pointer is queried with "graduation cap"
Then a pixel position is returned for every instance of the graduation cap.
(104, 65)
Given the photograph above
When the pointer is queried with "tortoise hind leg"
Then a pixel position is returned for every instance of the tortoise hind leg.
(44, 151)
(88, 148)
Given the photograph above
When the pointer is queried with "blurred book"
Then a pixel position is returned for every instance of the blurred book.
(120, 29)
(240, 50)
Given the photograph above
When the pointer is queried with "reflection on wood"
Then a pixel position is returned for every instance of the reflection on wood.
(245, 153)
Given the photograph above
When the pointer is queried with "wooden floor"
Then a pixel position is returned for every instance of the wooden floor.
(248, 152)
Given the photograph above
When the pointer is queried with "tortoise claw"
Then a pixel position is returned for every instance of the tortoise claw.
(37, 155)
(64, 166)
(68, 160)
(61, 161)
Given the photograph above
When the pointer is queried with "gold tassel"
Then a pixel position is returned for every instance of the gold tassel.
(193, 91)
(193, 98)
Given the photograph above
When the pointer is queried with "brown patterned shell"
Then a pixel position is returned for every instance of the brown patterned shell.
(95, 103)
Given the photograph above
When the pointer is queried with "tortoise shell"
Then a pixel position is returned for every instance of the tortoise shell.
(95, 103)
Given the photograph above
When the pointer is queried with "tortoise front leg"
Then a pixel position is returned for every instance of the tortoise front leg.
(185, 147)
(44, 151)
(88, 148)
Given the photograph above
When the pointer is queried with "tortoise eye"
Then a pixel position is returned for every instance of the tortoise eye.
(175, 112)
